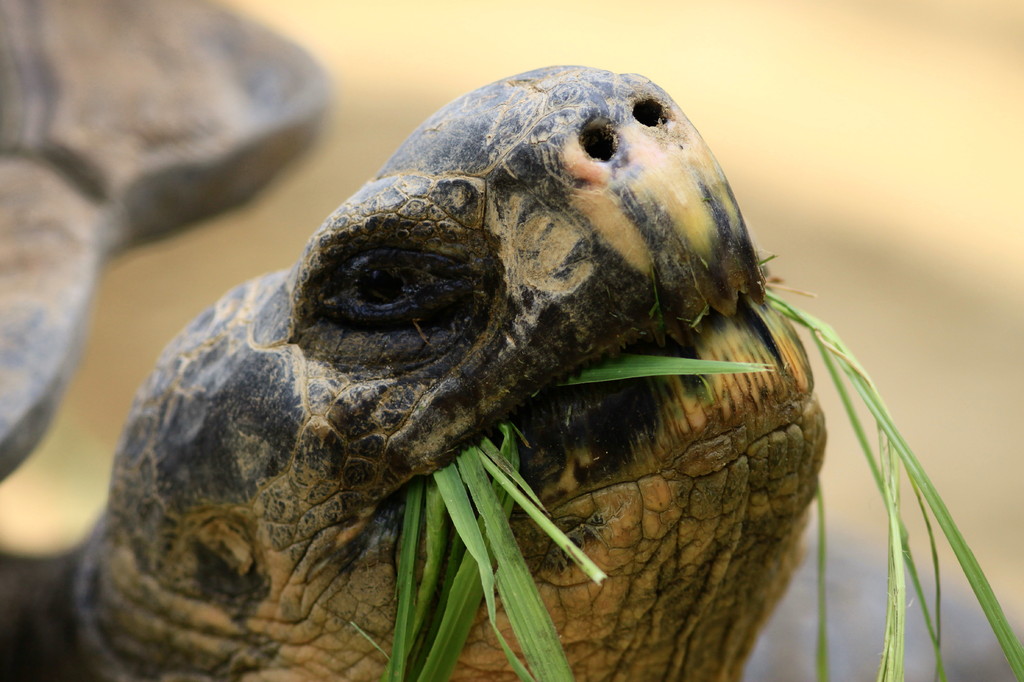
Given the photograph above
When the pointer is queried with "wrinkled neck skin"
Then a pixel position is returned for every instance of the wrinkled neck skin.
(534, 226)
(246, 587)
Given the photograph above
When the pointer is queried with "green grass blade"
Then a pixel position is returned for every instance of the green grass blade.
(628, 366)
(510, 452)
(436, 526)
(404, 631)
(456, 551)
(453, 490)
(453, 564)
(501, 460)
(915, 579)
(523, 606)
(890, 668)
(560, 539)
(858, 429)
(936, 633)
(458, 613)
(821, 654)
(1011, 646)
(851, 412)
(369, 639)
(461, 591)
(827, 342)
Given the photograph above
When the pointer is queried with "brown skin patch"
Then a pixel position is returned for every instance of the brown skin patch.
(694, 563)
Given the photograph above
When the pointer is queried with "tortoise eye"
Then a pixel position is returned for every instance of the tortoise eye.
(394, 303)
(380, 286)
(385, 287)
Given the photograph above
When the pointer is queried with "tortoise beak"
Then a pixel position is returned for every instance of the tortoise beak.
(663, 202)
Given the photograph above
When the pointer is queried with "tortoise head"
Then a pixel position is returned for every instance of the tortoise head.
(525, 230)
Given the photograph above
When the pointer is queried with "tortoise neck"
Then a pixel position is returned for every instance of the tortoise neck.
(39, 632)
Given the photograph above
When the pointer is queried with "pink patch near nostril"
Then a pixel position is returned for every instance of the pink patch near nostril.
(582, 166)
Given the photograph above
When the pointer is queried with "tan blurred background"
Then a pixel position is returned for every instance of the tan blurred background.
(874, 145)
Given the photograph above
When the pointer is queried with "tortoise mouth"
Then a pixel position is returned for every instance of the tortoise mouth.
(592, 435)
(687, 491)
(584, 437)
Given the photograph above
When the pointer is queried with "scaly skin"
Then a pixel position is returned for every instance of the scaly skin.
(525, 230)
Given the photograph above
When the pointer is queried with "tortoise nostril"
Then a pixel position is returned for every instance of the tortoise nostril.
(599, 140)
(649, 112)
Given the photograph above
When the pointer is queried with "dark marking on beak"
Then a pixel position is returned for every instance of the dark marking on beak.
(586, 430)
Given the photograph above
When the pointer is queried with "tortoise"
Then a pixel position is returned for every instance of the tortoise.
(526, 230)
(121, 120)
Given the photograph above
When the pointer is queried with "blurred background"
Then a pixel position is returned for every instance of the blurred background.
(874, 146)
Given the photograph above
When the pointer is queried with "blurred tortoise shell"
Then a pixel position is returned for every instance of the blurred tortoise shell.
(121, 121)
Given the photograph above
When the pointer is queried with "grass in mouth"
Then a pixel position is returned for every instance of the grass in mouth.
(460, 516)
(482, 556)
